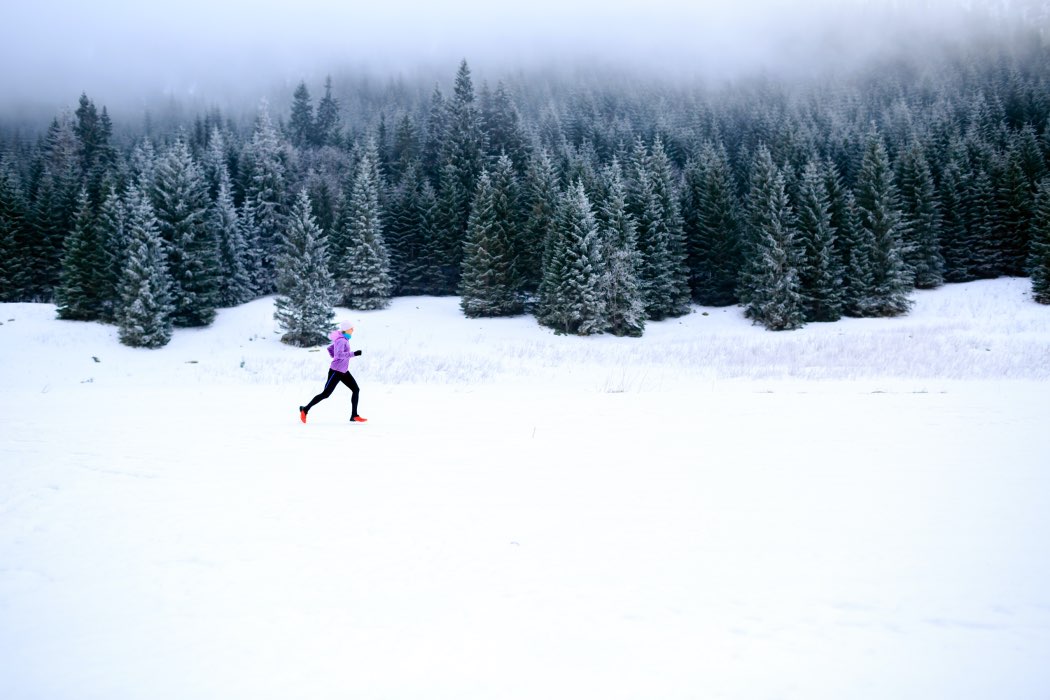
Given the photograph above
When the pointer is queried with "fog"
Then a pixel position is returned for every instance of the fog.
(128, 53)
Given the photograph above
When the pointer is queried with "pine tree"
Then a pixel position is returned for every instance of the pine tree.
(541, 204)
(955, 244)
(878, 204)
(53, 208)
(572, 299)
(1039, 259)
(364, 273)
(462, 161)
(711, 225)
(820, 268)
(922, 219)
(180, 200)
(304, 308)
(235, 285)
(404, 233)
(490, 283)
(144, 319)
(770, 279)
(265, 183)
(653, 204)
(501, 125)
(326, 126)
(79, 294)
(1015, 205)
(111, 228)
(143, 164)
(625, 308)
(215, 161)
(97, 156)
(14, 273)
(301, 130)
(435, 137)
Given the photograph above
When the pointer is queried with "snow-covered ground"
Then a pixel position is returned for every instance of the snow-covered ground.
(852, 510)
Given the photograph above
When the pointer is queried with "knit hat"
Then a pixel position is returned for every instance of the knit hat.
(346, 326)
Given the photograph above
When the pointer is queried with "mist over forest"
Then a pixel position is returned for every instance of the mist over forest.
(807, 163)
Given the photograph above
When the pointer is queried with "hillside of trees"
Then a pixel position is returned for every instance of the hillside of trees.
(596, 205)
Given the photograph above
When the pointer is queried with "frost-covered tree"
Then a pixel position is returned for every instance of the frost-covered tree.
(235, 284)
(145, 315)
(541, 196)
(301, 130)
(264, 186)
(14, 232)
(1039, 259)
(180, 201)
(363, 275)
(462, 163)
(79, 293)
(53, 208)
(770, 278)
(921, 219)
(501, 124)
(572, 298)
(880, 220)
(326, 126)
(820, 268)
(304, 306)
(955, 244)
(625, 308)
(111, 230)
(712, 215)
(664, 275)
(490, 282)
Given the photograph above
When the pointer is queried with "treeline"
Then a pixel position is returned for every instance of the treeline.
(595, 207)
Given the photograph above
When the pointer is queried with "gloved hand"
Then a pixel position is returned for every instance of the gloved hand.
(356, 353)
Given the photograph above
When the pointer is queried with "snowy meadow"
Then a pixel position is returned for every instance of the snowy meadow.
(850, 510)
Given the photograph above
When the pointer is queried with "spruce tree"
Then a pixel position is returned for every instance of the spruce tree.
(625, 308)
(1039, 258)
(14, 273)
(301, 130)
(572, 297)
(52, 209)
(79, 294)
(711, 224)
(235, 284)
(303, 309)
(955, 244)
(490, 283)
(180, 200)
(462, 159)
(111, 227)
(501, 125)
(541, 198)
(145, 315)
(878, 204)
(1015, 205)
(770, 279)
(363, 275)
(820, 268)
(664, 271)
(264, 187)
(922, 220)
(326, 126)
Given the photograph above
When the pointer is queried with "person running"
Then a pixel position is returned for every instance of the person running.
(339, 372)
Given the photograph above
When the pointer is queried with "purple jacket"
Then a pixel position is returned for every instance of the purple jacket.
(340, 351)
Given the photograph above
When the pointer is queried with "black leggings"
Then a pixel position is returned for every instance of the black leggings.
(334, 377)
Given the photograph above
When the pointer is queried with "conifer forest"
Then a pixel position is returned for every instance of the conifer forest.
(594, 203)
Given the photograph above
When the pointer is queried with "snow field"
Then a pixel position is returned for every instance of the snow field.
(531, 516)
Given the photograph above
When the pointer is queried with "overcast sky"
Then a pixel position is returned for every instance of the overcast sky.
(52, 50)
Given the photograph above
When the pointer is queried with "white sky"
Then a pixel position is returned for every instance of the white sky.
(54, 49)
